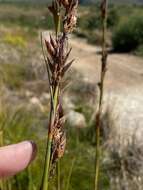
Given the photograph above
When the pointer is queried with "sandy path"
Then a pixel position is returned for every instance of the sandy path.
(124, 70)
(124, 82)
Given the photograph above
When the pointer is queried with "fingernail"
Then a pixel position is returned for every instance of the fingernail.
(34, 148)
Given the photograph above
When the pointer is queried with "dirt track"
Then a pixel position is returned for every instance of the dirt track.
(124, 82)
(124, 70)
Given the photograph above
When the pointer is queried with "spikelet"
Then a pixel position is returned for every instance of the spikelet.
(64, 14)
(57, 66)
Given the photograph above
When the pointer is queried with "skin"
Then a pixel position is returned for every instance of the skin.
(15, 158)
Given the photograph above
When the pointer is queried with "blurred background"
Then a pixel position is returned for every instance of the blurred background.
(24, 95)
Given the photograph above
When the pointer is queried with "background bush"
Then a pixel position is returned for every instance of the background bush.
(128, 36)
(90, 19)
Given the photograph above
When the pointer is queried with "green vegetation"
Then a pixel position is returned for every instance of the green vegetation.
(139, 50)
(18, 124)
(124, 23)
(125, 30)
(91, 18)
(30, 16)
(89, 24)
(36, 16)
(17, 41)
(14, 75)
(128, 36)
(17, 24)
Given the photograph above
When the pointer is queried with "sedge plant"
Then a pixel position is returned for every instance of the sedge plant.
(64, 14)
(104, 7)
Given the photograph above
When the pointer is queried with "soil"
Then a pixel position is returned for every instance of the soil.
(124, 70)
(123, 83)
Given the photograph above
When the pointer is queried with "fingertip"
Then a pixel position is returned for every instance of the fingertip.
(15, 158)
(34, 150)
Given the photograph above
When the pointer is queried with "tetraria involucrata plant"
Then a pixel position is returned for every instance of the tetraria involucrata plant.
(64, 14)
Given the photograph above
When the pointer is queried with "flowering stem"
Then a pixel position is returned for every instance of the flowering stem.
(58, 176)
(104, 6)
(56, 64)
(45, 181)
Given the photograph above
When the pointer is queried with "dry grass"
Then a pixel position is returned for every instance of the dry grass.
(124, 155)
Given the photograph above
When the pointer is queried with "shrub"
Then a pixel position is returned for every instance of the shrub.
(128, 35)
(90, 21)
(90, 24)
(113, 17)
(139, 50)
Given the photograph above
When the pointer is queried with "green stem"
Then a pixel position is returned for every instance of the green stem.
(70, 174)
(97, 152)
(58, 176)
(54, 93)
(1, 144)
(45, 179)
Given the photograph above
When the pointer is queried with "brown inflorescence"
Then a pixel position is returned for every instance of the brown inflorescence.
(57, 65)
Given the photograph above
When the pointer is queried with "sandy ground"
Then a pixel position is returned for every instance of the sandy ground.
(123, 83)
(124, 70)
